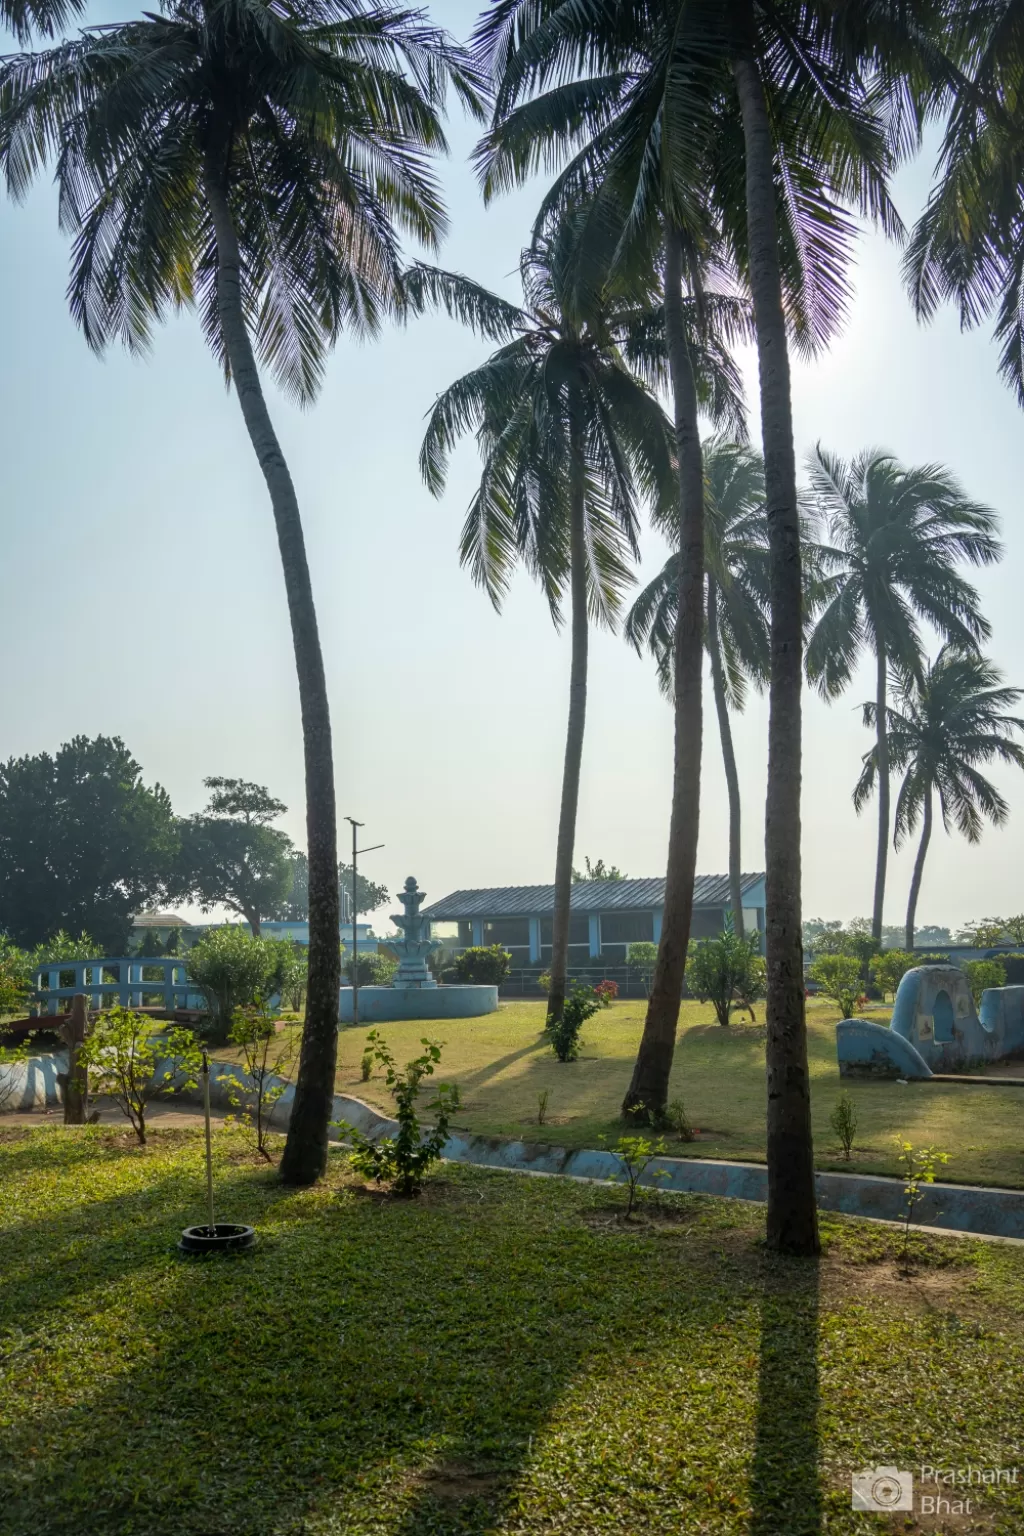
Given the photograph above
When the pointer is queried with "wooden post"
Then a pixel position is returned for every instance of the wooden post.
(75, 1081)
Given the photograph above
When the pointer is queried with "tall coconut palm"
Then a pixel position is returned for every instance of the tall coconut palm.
(255, 162)
(946, 722)
(43, 18)
(736, 634)
(755, 117)
(569, 434)
(968, 245)
(892, 538)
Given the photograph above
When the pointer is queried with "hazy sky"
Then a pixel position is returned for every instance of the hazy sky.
(143, 595)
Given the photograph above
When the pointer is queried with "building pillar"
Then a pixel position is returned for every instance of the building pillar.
(657, 925)
(478, 930)
(595, 935)
(534, 939)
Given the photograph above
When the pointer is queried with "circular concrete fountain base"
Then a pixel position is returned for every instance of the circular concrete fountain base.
(379, 1004)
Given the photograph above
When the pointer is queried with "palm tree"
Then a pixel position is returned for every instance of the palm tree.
(893, 536)
(568, 434)
(736, 634)
(45, 17)
(754, 119)
(947, 722)
(255, 162)
(968, 245)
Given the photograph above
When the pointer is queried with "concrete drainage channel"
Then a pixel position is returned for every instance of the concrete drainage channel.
(949, 1207)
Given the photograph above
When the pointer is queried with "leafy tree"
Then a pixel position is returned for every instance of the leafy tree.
(889, 968)
(230, 856)
(986, 934)
(287, 971)
(1014, 926)
(891, 539)
(233, 970)
(725, 971)
(15, 978)
(64, 946)
(982, 974)
(736, 615)
(597, 871)
(257, 162)
(940, 731)
(294, 908)
(570, 436)
(839, 977)
(84, 844)
(132, 1061)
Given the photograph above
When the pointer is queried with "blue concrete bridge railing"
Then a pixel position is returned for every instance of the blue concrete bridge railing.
(116, 978)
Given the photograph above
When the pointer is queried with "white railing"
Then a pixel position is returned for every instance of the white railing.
(129, 982)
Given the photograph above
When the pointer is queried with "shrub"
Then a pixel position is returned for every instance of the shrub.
(606, 992)
(403, 1160)
(374, 970)
(839, 977)
(635, 1154)
(564, 1033)
(678, 1121)
(643, 957)
(266, 1054)
(15, 978)
(724, 971)
(366, 1064)
(484, 965)
(843, 1121)
(919, 1166)
(130, 1060)
(544, 981)
(287, 971)
(889, 968)
(232, 970)
(982, 974)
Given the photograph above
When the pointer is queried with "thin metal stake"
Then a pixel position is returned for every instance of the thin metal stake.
(209, 1149)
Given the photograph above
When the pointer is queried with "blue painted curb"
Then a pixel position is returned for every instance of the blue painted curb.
(951, 1207)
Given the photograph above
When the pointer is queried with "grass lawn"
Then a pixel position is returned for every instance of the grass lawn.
(505, 1355)
(502, 1062)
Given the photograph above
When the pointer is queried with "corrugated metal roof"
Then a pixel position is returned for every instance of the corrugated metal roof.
(587, 896)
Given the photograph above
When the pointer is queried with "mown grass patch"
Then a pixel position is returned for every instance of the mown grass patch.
(502, 1063)
(505, 1355)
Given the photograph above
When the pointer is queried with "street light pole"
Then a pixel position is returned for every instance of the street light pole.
(355, 825)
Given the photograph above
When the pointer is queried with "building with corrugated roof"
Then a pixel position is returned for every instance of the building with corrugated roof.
(606, 916)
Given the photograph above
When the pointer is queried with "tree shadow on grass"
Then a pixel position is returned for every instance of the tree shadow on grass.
(784, 1481)
(372, 1367)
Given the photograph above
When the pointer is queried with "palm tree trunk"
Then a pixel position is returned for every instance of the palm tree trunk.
(647, 1095)
(792, 1213)
(732, 780)
(574, 731)
(305, 1153)
(882, 751)
(915, 883)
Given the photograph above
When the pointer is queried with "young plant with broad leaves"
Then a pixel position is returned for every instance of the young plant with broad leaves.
(132, 1060)
(256, 162)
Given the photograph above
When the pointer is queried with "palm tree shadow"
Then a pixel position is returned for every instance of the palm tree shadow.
(784, 1481)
